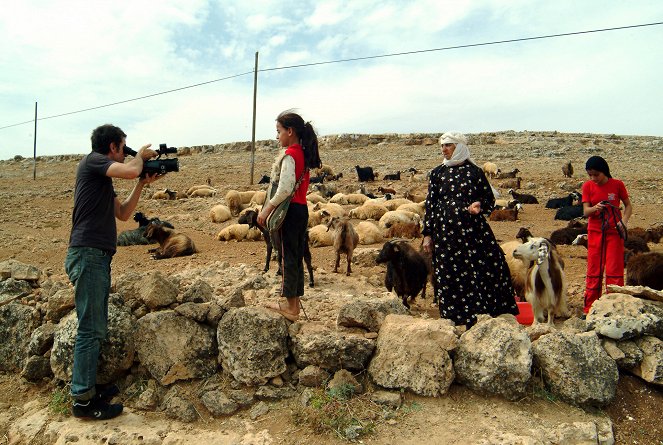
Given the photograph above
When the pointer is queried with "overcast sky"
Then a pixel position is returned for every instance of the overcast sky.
(70, 55)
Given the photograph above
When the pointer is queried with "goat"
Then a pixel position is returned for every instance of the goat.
(545, 286)
(345, 240)
(392, 176)
(165, 194)
(513, 183)
(264, 180)
(523, 198)
(319, 179)
(567, 170)
(632, 246)
(566, 235)
(250, 217)
(171, 244)
(505, 175)
(557, 203)
(490, 169)
(568, 213)
(137, 236)
(646, 234)
(385, 190)
(645, 269)
(407, 270)
(524, 234)
(365, 173)
(143, 220)
(403, 230)
(504, 215)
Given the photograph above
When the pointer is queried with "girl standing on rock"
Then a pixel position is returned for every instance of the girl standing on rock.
(606, 229)
(292, 165)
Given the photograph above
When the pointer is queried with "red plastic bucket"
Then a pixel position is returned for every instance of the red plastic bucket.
(525, 314)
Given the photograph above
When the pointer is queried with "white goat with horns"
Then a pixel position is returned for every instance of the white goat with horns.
(545, 287)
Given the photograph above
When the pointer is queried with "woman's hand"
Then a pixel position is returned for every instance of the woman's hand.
(427, 244)
(474, 208)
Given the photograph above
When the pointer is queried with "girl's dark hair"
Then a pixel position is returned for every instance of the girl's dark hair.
(599, 164)
(104, 135)
(306, 134)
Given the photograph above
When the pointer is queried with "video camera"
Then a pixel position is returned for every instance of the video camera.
(159, 166)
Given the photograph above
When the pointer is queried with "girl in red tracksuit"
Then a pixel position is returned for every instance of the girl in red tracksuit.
(601, 197)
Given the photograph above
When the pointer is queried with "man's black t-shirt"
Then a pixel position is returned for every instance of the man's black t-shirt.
(93, 218)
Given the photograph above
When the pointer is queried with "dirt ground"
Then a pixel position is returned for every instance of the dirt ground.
(35, 223)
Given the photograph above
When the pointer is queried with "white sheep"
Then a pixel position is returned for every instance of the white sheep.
(315, 198)
(164, 194)
(234, 201)
(233, 232)
(369, 233)
(258, 198)
(394, 216)
(517, 269)
(369, 210)
(415, 196)
(356, 198)
(247, 196)
(220, 213)
(203, 193)
(196, 187)
(339, 198)
(490, 169)
(417, 207)
(393, 204)
(319, 236)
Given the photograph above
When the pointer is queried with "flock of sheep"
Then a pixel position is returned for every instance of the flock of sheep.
(386, 216)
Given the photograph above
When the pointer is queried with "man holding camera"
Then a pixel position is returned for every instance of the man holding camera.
(92, 245)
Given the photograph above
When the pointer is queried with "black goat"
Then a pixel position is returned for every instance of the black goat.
(318, 179)
(523, 197)
(556, 203)
(393, 176)
(569, 212)
(566, 235)
(407, 270)
(250, 217)
(365, 173)
(264, 180)
(137, 236)
(511, 174)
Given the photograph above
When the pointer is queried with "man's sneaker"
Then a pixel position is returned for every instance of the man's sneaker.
(96, 409)
(107, 392)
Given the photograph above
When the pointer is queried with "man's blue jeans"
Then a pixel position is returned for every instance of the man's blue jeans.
(90, 272)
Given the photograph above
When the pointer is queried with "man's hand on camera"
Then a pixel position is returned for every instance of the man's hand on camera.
(146, 152)
(148, 179)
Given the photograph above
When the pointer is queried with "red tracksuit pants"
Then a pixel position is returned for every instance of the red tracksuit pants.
(609, 257)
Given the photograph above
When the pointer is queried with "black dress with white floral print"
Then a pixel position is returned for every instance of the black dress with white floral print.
(470, 273)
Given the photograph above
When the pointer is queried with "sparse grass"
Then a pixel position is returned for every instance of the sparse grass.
(341, 412)
(60, 402)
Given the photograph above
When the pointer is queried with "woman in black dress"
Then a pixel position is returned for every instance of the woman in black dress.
(470, 272)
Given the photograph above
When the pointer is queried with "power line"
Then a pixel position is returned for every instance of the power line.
(353, 59)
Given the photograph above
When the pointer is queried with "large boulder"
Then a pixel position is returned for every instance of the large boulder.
(253, 344)
(17, 322)
(413, 353)
(173, 347)
(495, 357)
(319, 345)
(621, 317)
(369, 314)
(59, 304)
(650, 369)
(117, 351)
(156, 291)
(19, 271)
(576, 367)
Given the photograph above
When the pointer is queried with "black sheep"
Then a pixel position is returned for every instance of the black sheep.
(250, 217)
(137, 236)
(568, 213)
(264, 180)
(407, 270)
(557, 203)
(365, 173)
(393, 177)
(523, 197)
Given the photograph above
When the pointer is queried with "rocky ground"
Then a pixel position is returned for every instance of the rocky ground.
(35, 224)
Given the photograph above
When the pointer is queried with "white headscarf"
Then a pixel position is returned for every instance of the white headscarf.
(461, 152)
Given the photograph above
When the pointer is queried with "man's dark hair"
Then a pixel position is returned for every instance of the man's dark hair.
(104, 135)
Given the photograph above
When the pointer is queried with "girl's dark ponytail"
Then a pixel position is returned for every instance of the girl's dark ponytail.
(306, 134)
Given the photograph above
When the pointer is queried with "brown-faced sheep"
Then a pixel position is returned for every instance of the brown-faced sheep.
(415, 196)
(220, 213)
(567, 170)
(407, 270)
(165, 194)
(315, 198)
(369, 210)
(545, 287)
(196, 187)
(395, 216)
(234, 202)
(403, 230)
(490, 169)
(345, 240)
(504, 215)
(645, 269)
(258, 198)
(171, 244)
(236, 232)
